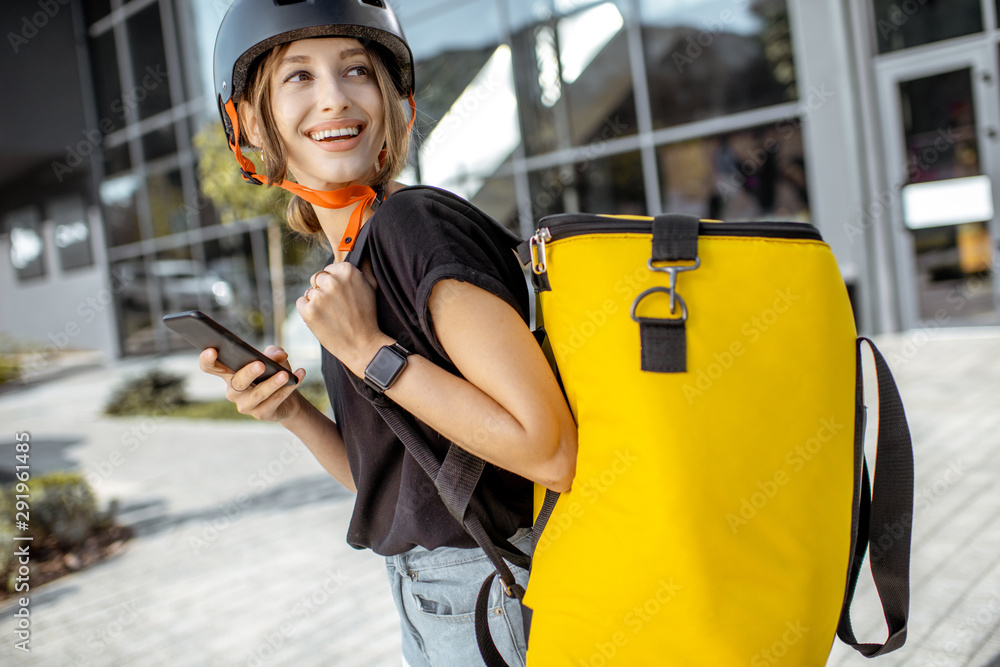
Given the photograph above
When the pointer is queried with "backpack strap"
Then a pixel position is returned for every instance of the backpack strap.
(884, 512)
(456, 479)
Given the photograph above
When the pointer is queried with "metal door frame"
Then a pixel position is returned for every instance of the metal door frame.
(979, 54)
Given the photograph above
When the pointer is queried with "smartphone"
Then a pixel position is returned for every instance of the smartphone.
(203, 332)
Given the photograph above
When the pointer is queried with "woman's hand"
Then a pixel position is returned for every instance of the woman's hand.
(270, 400)
(339, 308)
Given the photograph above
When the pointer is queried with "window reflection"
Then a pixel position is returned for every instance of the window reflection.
(107, 84)
(940, 132)
(229, 287)
(466, 112)
(71, 232)
(207, 17)
(166, 203)
(129, 281)
(159, 143)
(712, 58)
(116, 158)
(95, 9)
(477, 134)
(901, 25)
(751, 174)
(121, 215)
(151, 93)
(611, 184)
(498, 199)
(571, 70)
(27, 243)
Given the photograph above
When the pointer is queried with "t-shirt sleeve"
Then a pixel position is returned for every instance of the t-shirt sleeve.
(421, 237)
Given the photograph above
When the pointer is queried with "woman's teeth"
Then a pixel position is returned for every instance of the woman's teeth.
(334, 135)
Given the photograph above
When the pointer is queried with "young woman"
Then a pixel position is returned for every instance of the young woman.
(436, 320)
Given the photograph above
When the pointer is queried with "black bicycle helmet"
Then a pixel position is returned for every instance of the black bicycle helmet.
(251, 28)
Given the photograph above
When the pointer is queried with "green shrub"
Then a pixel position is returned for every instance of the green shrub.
(154, 392)
(63, 517)
(10, 368)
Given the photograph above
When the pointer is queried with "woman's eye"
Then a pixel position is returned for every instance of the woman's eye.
(297, 76)
(357, 70)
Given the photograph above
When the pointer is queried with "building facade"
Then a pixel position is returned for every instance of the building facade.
(877, 121)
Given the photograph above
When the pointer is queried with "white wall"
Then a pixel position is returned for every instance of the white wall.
(62, 310)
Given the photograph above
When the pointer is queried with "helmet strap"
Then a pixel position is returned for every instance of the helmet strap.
(360, 195)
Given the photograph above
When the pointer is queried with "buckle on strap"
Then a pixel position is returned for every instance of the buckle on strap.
(673, 271)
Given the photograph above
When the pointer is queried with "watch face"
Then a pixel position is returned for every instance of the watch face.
(384, 368)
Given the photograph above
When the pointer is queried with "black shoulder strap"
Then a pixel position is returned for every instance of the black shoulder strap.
(884, 512)
(456, 479)
(357, 253)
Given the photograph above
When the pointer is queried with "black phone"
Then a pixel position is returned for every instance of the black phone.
(203, 332)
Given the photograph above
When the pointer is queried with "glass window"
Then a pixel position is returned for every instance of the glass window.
(939, 125)
(230, 286)
(498, 199)
(71, 233)
(118, 195)
(166, 203)
(27, 243)
(711, 58)
(107, 85)
(95, 9)
(572, 72)
(130, 282)
(750, 174)
(206, 18)
(159, 143)
(151, 93)
(900, 25)
(953, 261)
(605, 185)
(182, 282)
(467, 113)
(116, 159)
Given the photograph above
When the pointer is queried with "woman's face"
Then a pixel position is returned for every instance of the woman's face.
(329, 112)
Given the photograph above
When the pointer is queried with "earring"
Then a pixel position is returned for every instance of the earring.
(263, 159)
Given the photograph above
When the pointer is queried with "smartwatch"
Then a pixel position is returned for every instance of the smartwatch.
(383, 370)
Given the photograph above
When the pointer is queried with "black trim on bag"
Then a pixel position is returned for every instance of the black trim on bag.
(565, 225)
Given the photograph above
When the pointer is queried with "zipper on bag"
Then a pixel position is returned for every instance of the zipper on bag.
(567, 225)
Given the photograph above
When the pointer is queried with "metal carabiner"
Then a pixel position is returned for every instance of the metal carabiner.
(673, 271)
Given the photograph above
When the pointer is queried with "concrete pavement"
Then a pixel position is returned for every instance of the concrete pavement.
(240, 559)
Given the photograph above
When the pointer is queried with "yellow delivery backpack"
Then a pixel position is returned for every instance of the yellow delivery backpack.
(721, 508)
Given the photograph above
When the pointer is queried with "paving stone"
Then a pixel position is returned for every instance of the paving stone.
(240, 557)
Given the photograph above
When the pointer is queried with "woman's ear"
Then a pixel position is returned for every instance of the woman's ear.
(250, 125)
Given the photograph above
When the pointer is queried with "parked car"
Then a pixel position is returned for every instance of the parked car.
(183, 284)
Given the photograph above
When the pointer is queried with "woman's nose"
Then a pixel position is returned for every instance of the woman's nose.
(332, 95)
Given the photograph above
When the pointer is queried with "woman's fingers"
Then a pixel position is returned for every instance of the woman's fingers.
(244, 378)
(208, 362)
(267, 397)
(277, 354)
(263, 401)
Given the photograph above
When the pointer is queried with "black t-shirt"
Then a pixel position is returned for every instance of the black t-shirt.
(418, 237)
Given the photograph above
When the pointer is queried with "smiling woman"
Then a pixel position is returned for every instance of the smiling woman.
(435, 320)
(294, 85)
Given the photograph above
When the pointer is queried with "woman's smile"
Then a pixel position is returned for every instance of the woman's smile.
(337, 136)
(328, 109)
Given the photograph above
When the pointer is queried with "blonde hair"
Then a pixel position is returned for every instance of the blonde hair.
(300, 214)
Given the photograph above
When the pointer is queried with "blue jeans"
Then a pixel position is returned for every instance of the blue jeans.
(435, 594)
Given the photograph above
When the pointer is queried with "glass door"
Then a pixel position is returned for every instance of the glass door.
(942, 118)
